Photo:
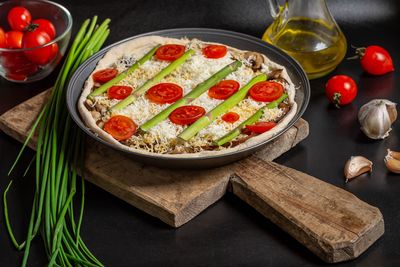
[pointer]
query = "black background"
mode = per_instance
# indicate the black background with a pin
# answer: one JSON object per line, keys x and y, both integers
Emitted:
{"x": 230, "y": 233}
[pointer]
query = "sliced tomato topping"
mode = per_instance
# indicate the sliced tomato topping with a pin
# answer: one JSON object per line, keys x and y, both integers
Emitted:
{"x": 103, "y": 76}
{"x": 186, "y": 114}
{"x": 230, "y": 117}
{"x": 223, "y": 89}
{"x": 119, "y": 92}
{"x": 170, "y": 52}
{"x": 261, "y": 127}
{"x": 215, "y": 51}
{"x": 266, "y": 91}
{"x": 120, "y": 127}
{"x": 163, "y": 93}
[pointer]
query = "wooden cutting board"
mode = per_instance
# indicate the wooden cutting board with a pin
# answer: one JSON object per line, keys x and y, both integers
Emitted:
{"x": 331, "y": 222}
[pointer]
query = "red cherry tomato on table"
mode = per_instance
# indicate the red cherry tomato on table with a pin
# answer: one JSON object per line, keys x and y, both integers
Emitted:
{"x": 341, "y": 90}
{"x": 261, "y": 127}
{"x": 14, "y": 39}
{"x": 120, "y": 127}
{"x": 266, "y": 91}
{"x": 119, "y": 92}
{"x": 230, "y": 117}
{"x": 186, "y": 114}
{"x": 3, "y": 42}
{"x": 224, "y": 89}
{"x": 215, "y": 51}
{"x": 105, "y": 75}
{"x": 19, "y": 17}
{"x": 163, "y": 93}
{"x": 170, "y": 52}
{"x": 36, "y": 38}
{"x": 375, "y": 60}
{"x": 44, "y": 25}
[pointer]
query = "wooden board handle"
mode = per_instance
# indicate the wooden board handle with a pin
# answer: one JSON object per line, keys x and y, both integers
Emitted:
{"x": 331, "y": 222}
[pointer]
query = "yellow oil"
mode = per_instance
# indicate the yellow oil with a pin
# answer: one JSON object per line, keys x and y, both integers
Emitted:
{"x": 317, "y": 46}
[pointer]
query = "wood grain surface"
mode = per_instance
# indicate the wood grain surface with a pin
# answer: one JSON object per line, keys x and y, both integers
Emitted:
{"x": 331, "y": 222}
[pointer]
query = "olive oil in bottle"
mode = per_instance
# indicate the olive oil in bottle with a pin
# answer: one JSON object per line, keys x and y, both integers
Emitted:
{"x": 317, "y": 46}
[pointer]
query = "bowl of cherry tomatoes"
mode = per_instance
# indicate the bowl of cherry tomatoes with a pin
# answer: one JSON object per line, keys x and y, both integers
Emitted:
{"x": 34, "y": 36}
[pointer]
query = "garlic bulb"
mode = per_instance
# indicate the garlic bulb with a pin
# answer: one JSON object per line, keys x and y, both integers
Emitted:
{"x": 376, "y": 118}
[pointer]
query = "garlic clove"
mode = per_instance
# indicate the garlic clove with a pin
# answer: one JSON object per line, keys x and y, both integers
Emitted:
{"x": 392, "y": 161}
{"x": 376, "y": 118}
{"x": 356, "y": 166}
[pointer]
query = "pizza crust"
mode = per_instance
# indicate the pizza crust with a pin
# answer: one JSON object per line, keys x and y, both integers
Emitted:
{"x": 142, "y": 45}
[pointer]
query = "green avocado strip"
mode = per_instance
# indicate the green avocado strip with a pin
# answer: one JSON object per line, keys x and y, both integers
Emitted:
{"x": 124, "y": 74}
{"x": 222, "y": 108}
{"x": 252, "y": 119}
{"x": 159, "y": 76}
{"x": 195, "y": 93}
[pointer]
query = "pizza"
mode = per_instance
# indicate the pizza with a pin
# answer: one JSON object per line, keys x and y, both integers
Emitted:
{"x": 185, "y": 97}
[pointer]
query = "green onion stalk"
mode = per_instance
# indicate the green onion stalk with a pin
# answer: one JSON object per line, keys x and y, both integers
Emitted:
{"x": 195, "y": 93}
{"x": 252, "y": 119}
{"x": 59, "y": 156}
{"x": 222, "y": 108}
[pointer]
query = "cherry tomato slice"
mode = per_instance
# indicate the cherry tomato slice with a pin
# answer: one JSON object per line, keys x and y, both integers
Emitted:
{"x": 261, "y": 127}
{"x": 19, "y": 17}
{"x": 230, "y": 117}
{"x": 170, "y": 52}
{"x": 103, "y": 76}
{"x": 44, "y": 25}
{"x": 120, "y": 127}
{"x": 266, "y": 91}
{"x": 186, "y": 114}
{"x": 119, "y": 92}
{"x": 3, "y": 43}
{"x": 215, "y": 51}
{"x": 163, "y": 93}
{"x": 224, "y": 89}
{"x": 14, "y": 39}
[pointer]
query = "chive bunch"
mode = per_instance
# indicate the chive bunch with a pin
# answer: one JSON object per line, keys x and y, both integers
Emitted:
{"x": 59, "y": 154}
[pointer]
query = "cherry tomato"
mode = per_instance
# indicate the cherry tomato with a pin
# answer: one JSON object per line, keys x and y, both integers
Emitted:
{"x": 375, "y": 60}
{"x": 341, "y": 90}
{"x": 186, "y": 114}
{"x": 19, "y": 17}
{"x": 119, "y": 92}
{"x": 215, "y": 51}
{"x": 163, "y": 93}
{"x": 266, "y": 91}
{"x": 224, "y": 89}
{"x": 36, "y": 38}
{"x": 44, "y": 25}
{"x": 120, "y": 127}
{"x": 103, "y": 76}
{"x": 170, "y": 52}
{"x": 230, "y": 117}
{"x": 17, "y": 66}
{"x": 3, "y": 43}
{"x": 261, "y": 127}
{"x": 14, "y": 39}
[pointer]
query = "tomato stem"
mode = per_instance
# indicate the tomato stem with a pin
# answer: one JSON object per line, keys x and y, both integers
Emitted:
{"x": 336, "y": 99}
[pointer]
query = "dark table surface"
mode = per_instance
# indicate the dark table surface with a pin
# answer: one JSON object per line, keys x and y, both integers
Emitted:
{"x": 230, "y": 233}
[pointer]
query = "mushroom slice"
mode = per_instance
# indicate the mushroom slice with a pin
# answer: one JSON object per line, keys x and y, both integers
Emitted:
{"x": 255, "y": 59}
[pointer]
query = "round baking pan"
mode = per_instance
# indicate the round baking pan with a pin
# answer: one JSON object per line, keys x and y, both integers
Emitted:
{"x": 238, "y": 40}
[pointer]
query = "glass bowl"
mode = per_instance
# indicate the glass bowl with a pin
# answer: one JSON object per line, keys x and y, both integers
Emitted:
{"x": 15, "y": 65}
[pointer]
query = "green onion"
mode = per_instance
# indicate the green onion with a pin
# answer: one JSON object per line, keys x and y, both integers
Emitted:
{"x": 58, "y": 156}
